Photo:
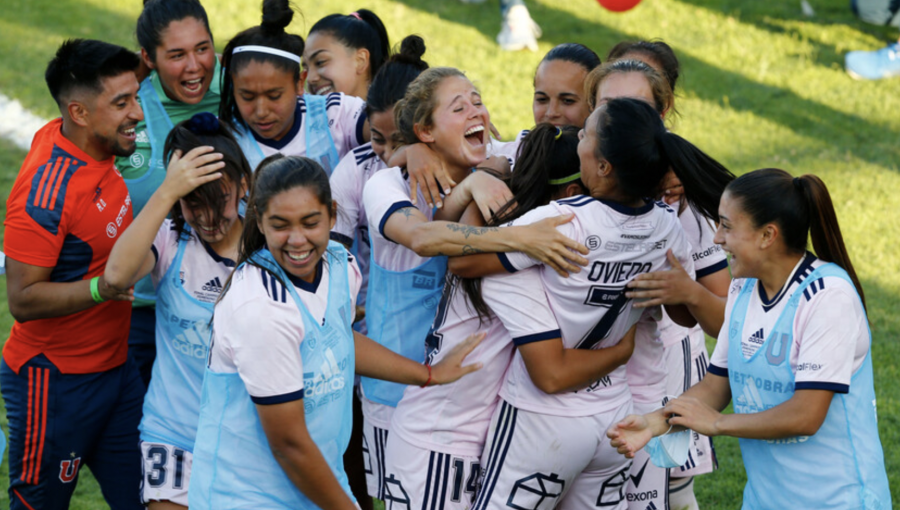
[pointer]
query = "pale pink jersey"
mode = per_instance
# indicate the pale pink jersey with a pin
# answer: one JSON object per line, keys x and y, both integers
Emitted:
{"x": 346, "y": 120}
{"x": 509, "y": 150}
{"x": 454, "y": 418}
{"x": 647, "y": 368}
{"x": 386, "y": 193}
{"x": 623, "y": 243}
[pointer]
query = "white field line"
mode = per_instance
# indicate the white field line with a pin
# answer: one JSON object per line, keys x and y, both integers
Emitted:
{"x": 17, "y": 124}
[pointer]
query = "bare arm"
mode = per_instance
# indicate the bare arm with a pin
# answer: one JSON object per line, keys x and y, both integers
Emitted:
{"x": 483, "y": 187}
{"x": 479, "y": 264}
{"x": 555, "y": 369}
{"x": 298, "y": 455}
{"x": 378, "y": 362}
{"x": 31, "y": 294}
{"x": 409, "y": 227}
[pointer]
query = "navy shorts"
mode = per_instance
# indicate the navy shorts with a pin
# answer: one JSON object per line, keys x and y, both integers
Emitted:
{"x": 61, "y": 422}
{"x": 142, "y": 340}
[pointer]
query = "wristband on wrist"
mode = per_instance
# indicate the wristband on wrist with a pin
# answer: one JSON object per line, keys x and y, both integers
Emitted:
{"x": 95, "y": 290}
{"x": 429, "y": 376}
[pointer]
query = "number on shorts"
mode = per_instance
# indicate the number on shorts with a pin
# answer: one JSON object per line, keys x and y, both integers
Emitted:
{"x": 471, "y": 483}
{"x": 159, "y": 455}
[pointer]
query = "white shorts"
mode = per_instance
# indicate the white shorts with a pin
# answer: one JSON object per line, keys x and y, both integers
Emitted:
{"x": 539, "y": 462}
{"x": 166, "y": 473}
{"x": 376, "y": 418}
{"x": 418, "y": 478}
{"x": 687, "y": 362}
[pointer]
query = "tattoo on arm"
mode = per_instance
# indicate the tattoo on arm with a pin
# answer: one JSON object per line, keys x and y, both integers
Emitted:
{"x": 470, "y": 250}
{"x": 406, "y": 211}
{"x": 468, "y": 230}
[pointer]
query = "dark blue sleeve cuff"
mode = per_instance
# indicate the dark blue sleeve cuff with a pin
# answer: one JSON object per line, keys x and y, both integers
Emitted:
{"x": 277, "y": 399}
{"x": 155, "y": 254}
{"x": 391, "y": 210}
{"x": 360, "y": 122}
{"x": 719, "y": 371}
{"x": 815, "y": 385}
{"x": 538, "y": 337}
{"x": 341, "y": 238}
{"x": 506, "y": 264}
{"x": 715, "y": 268}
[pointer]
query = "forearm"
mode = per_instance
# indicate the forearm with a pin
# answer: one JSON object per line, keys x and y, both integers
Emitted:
{"x": 795, "y": 417}
{"x": 128, "y": 256}
{"x": 454, "y": 239}
{"x": 378, "y": 362}
{"x": 708, "y": 309}
{"x": 564, "y": 370}
{"x": 713, "y": 390}
{"x": 45, "y": 300}
{"x": 304, "y": 464}
{"x": 456, "y": 203}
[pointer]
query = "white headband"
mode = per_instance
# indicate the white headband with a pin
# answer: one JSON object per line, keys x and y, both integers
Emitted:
{"x": 266, "y": 49}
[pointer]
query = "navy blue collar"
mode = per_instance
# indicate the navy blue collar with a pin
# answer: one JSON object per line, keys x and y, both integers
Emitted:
{"x": 286, "y": 139}
{"x": 804, "y": 268}
{"x": 630, "y": 211}
{"x": 303, "y": 284}
{"x": 215, "y": 256}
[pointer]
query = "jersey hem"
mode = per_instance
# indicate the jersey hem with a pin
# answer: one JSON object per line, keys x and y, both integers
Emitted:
{"x": 278, "y": 399}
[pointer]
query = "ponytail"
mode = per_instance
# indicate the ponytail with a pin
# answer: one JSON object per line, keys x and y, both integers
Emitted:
{"x": 392, "y": 80}
{"x": 802, "y": 209}
{"x": 704, "y": 179}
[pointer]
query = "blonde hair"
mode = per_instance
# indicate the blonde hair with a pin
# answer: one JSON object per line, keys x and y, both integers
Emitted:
{"x": 420, "y": 101}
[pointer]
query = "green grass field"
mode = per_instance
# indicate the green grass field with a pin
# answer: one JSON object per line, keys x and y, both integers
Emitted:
{"x": 762, "y": 86}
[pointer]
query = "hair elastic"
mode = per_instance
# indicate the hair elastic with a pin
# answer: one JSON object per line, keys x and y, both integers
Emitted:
{"x": 565, "y": 180}
{"x": 355, "y": 15}
{"x": 558, "y": 133}
{"x": 266, "y": 49}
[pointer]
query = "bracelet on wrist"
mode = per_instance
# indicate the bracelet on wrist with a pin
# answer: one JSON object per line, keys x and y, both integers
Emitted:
{"x": 95, "y": 290}
{"x": 427, "y": 382}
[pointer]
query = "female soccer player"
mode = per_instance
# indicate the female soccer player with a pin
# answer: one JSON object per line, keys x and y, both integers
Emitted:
{"x": 177, "y": 46}
{"x": 437, "y": 437}
{"x": 624, "y": 153}
{"x": 344, "y": 53}
{"x": 276, "y": 418}
{"x": 667, "y": 357}
{"x": 262, "y": 96}
{"x": 794, "y": 356}
{"x": 189, "y": 257}
{"x": 442, "y": 109}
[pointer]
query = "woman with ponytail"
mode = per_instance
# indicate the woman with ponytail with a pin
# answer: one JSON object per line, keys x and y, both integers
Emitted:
{"x": 275, "y": 416}
{"x": 344, "y": 53}
{"x": 188, "y": 258}
{"x": 262, "y": 97}
{"x": 795, "y": 356}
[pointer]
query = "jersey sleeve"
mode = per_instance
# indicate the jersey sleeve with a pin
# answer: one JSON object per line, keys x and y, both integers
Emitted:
{"x": 265, "y": 349}
{"x": 345, "y": 190}
{"x": 516, "y": 261}
{"x": 32, "y": 239}
{"x": 718, "y": 362}
{"x": 828, "y": 339}
{"x": 349, "y": 116}
{"x": 165, "y": 246}
{"x": 383, "y": 196}
{"x": 355, "y": 277}
{"x": 520, "y": 303}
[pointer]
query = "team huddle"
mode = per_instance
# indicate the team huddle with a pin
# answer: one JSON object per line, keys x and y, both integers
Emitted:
{"x": 306, "y": 273}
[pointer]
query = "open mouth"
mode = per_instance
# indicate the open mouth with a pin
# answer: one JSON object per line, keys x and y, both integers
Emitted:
{"x": 323, "y": 90}
{"x": 193, "y": 87}
{"x": 207, "y": 231}
{"x": 298, "y": 258}
{"x": 475, "y": 135}
{"x": 128, "y": 133}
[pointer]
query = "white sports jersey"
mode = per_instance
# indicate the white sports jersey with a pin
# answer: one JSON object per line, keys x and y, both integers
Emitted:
{"x": 257, "y": 330}
{"x": 454, "y": 418}
{"x": 509, "y": 149}
{"x": 831, "y": 336}
{"x": 346, "y": 118}
{"x": 590, "y": 305}
{"x": 385, "y": 193}
{"x": 352, "y": 227}
{"x": 647, "y": 368}
{"x": 203, "y": 271}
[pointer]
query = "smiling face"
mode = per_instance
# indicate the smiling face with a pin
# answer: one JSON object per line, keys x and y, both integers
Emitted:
{"x": 460, "y": 123}
{"x": 203, "y": 221}
{"x": 185, "y": 60}
{"x": 739, "y": 237}
{"x": 111, "y": 117}
{"x": 266, "y": 97}
{"x": 333, "y": 67}
{"x": 297, "y": 227}
{"x": 559, "y": 94}
{"x": 384, "y": 131}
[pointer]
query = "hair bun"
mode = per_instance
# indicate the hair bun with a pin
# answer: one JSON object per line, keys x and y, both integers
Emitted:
{"x": 411, "y": 50}
{"x": 276, "y": 16}
{"x": 203, "y": 123}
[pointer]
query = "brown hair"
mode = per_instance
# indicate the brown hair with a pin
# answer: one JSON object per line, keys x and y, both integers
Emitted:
{"x": 802, "y": 209}
{"x": 418, "y": 105}
{"x": 663, "y": 98}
